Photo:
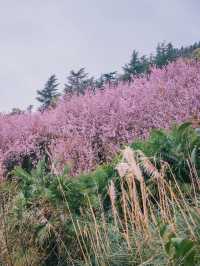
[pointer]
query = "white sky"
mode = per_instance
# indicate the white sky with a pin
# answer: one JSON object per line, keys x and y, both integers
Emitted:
{"x": 42, "y": 37}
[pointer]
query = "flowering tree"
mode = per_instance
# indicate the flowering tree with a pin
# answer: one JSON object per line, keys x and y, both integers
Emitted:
{"x": 83, "y": 131}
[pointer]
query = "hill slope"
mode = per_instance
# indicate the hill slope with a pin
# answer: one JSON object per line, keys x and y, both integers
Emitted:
{"x": 87, "y": 130}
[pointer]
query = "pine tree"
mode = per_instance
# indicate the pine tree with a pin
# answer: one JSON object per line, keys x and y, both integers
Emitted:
{"x": 77, "y": 82}
{"x": 48, "y": 95}
{"x": 16, "y": 111}
{"x": 109, "y": 78}
{"x": 160, "y": 58}
{"x": 99, "y": 83}
{"x": 136, "y": 66}
{"x": 171, "y": 52}
{"x": 165, "y": 53}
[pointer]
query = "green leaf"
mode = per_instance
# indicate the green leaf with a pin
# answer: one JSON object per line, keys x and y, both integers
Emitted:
{"x": 184, "y": 250}
{"x": 163, "y": 229}
{"x": 19, "y": 172}
{"x": 184, "y": 126}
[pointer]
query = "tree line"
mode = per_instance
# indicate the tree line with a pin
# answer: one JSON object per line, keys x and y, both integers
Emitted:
{"x": 78, "y": 81}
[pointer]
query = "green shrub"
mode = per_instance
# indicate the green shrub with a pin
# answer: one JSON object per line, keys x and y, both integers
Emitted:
{"x": 179, "y": 147}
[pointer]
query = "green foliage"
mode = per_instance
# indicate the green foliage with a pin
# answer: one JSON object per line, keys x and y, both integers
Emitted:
{"x": 165, "y": 53}
{"x": 137, "y": 65}
{"x": 178, "y": 147}
{"x": 109, "y": 78}
{"x": 16, "y": 111}
{"x": 78, "y": 82}
{"x": 59, "y": 220}
{"x": 181, "y": 251}
{"x": 48, "y": 95}
{"x": 42, "y": 210}
{"x": 77, "y": 191}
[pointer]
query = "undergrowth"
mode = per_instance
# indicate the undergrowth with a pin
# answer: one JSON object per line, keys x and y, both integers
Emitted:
{"x": 142, "y": 209}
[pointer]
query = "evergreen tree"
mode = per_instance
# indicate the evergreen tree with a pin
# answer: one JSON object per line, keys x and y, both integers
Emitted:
{"x": 188, "y": 50}
{"x": 136, "y": 66}
{"x": 89, "y": 84}
{"x": 77, "y": 82}
{"x": 165, "y": 53}
{"x": 144, "y": 64}
{"x": 99, "y": 83}
{"x": 171, "y": 53}
{"x": 48, "y": 95}
{"x": 109, "y": 78}
{"x": 160, "y": 58}
{"x": 16, "y": 111}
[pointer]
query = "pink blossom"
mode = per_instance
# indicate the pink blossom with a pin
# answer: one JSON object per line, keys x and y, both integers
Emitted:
{"x": 87, "y": 130}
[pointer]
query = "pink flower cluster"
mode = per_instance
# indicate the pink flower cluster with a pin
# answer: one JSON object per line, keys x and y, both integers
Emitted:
{"x": 87, "y": 130}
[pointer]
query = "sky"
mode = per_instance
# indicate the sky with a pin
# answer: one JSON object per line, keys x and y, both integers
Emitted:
{"x": 41, "y": 37}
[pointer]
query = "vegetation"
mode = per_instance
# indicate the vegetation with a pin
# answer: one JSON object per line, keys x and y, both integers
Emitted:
{"x": 87, "y": 130}
{"x": 78, "y": 81}
{"x": 128, "y": 212}
{"x": 176, "y": 148}
{"x": 196, "y": 54}
{"x": 136, "y": 66}
{"x": 106, "y": 174}
{"x": 48, "y": 95}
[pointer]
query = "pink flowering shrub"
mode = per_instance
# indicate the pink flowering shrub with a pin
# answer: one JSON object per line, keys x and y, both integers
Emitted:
{"x": 87, "y": 130}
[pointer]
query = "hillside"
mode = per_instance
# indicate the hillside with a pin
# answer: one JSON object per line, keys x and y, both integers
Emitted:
{"x": 84, "y": 131}
{"x": 110, "y": 177}
{"x": 100, "y": 133}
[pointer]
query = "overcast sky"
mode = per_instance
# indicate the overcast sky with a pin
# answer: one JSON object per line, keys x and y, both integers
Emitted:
{"x": 42, "y": 37}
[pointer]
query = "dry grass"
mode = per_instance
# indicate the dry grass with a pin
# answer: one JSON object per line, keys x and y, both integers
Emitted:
{"x": 127, "y": 234}
{"x": 137, "y": 216}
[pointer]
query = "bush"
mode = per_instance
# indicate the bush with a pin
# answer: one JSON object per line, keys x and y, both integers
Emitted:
{"x": 179, "y": 147}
